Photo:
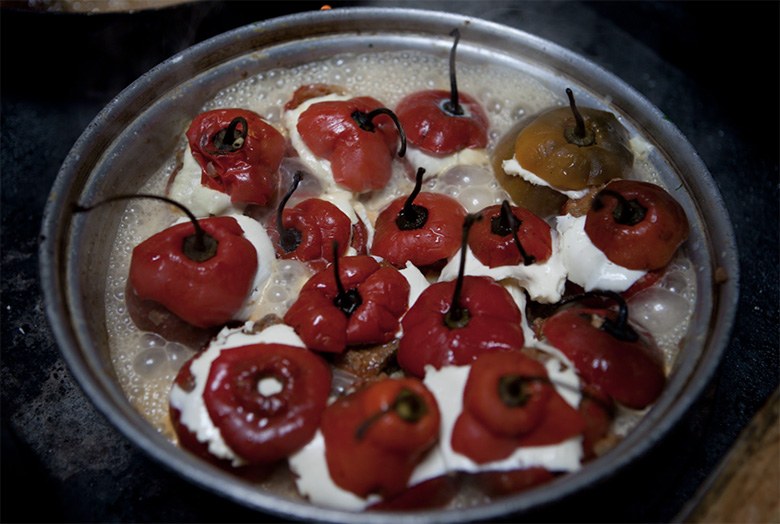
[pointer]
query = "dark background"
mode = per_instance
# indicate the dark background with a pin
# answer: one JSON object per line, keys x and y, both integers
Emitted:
{"x": 712, "y": 67}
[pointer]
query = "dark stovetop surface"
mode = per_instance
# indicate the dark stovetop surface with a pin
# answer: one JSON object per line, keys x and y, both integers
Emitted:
{"x": 712, "y": 67}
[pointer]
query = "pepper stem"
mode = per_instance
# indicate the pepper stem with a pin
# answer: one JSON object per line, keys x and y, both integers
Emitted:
{"x": 289, "y": 238}
{"x": 453, "y": 106}
{"x": 508, "y": 224}
{"x": 408, "y": 405}
{"x": 618, "y": 328}
{"x": 347, "y": 300}
{"x": 227, "y": 140}
{"x": 579, "y": 134}
{"x": 458, "y": 316}
{"x": 626, "y": 212}
{"x": 365, "y": 122}
{"x": 411, "y": 215}
{"x": 199, "y": 247}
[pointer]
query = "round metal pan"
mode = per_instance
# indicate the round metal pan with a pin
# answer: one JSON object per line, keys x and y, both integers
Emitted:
{"x": 139, "y": 130}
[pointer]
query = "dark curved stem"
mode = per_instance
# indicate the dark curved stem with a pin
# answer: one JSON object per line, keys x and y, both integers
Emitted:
{"x": 289, "y": 239}
{"x": 347, "y": 300}
{"x": 411, "y": 215}
{"x": 453, "y": 107}
{"x": 198, "y": 247}
{"x": 626, "y": 212}
{"x": 227, "y": 140}
{"x": 618, "y": 328}
{"x": 458, "y": 316}
{"x": 508, "y": 224}
{"x": 365, "y": 122}
{"x": 408, "y": 405}
{"x": 579, "y": 135}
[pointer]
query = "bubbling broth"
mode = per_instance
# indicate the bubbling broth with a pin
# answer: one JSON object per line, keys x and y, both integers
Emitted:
{"x": 146, "y": 364}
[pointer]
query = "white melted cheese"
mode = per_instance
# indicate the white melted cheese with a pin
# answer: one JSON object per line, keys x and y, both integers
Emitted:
{"x": 434, "y": 164}
{"x": 313, "y": 479}
{"x": 447, "y": 385}
{"x": 266, "y": 261}
{"x": 545, "y": 281}
{"x": 586, "y": 264}
{"x": 194, "y": 415}
{"x": 319, "y": 167}
{"x": 201, "y": 200}
{"x": 513, "y": 167}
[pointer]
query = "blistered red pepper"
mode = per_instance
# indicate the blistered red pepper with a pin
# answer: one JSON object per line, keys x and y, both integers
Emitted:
{"x": 430, "y": 126}
{"x": 636, "y": 224}
{"x": 444, "y": 122}
{"x": 203, "y": 293}
{"x": 239, "y": 154}
{"x": 490, "y": 322}
{"x": 374, "y": 438}
{"x": 608, "y": 353}
{"x": 362, "y": 306}
{"x": 357, "y": 136}
{"x": 423, "y": 228}
{"x": 509, "y": 402}
{"x": 262, "y": 428}
{"x": 493, "y": 238}
{"x": 454, "y": 322}
{"x": 310, "y": 228}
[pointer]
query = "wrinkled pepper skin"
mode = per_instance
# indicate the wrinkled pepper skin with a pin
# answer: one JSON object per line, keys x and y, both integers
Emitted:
{"x": 630, "y": 372}
{"x": 647, "y": 245}
{"x": 204, "y": 294}
{"x": 369, "y": 446}
{"x": 360, "y": 160}
{"x": 543, "y": 149}
{"x": 438, "y": 239}
{"x": 429, "y": 127}
{"x": 324, "y": 327}
{"x": 320, "y": 223}
{"x": 495, "y": 250}
{"x": 247, "y": 175}
{"x": 490, "y": 427}
{"x": 494, "y": 325}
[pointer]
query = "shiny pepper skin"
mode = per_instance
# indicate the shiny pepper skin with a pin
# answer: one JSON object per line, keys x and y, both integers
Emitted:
{"x": 509, "y": 402}
{"x": 630, "y": 372}
{"x": 431, "y": 128}
{"x": 495, "y": 250}
{"x": 493, "y": 325}
{"x": 248, "y": 174}
{"x": 319, "y": 223}
{"x": 204, "y": 294}
{"x": 324, "y": 327}
{"x": 371, "y": 444}
{"x": 437, "y": 239}
{"x": 543, "y": 149}
{"x": 648, "y": 244}
{"x": 261, "y": 428}
{"x": 360, "y": 160}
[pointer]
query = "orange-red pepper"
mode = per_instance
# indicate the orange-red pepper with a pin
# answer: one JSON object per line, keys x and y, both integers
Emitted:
{"x": 203, "y": 293}
{"x": 374, "y": 438}
{"x": 359, "y": 142}
{"x": 509, "y": 402}
{"x": 493, "y": 239}
{"x": 239, "y": 154}
{"x": 362, "y": 306}
{"x": 261, "y": 428}
{"x": 422, "y": 228}
{"x": 636, "y": 224}
{"x": 628, "y": 368}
